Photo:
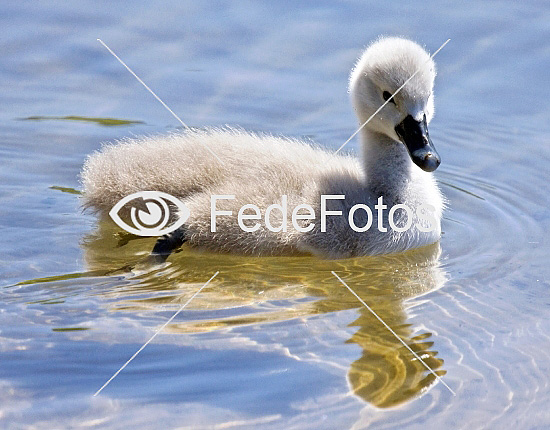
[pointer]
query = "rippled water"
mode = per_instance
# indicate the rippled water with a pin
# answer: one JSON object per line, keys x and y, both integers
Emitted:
{"x": 273, "y": 342}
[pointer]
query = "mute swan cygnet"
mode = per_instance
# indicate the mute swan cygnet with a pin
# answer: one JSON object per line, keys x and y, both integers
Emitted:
{"x": 396, "y": 164}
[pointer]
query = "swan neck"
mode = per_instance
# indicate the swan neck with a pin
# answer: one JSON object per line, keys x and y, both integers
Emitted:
{"x": 387, "y": 163}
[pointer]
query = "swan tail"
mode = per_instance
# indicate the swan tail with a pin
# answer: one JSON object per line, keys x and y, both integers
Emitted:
{"x": 132, "y": 165}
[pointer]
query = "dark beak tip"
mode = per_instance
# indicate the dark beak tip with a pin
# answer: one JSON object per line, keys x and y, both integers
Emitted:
{"x": 428, "y": 162}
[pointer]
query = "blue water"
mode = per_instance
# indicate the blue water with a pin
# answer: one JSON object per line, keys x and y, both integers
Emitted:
{"x": 273, "y": 343}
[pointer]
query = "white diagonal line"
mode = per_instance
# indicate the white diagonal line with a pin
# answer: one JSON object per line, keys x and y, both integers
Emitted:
{"x": 157, "y": 332}
{"x": 389, "y": 99}
{"x": 154, "y": 95}
{"x": 394, "y": 333}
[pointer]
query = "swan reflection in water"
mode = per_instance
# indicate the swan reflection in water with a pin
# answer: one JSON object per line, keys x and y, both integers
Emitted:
{"x": 385, "y": 375}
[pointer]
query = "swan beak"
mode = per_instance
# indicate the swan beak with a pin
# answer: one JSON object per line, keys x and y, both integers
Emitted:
{"x": 414, "y": 134}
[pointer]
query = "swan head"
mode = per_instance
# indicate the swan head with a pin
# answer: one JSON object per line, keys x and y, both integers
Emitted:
{"x": 382, "y": 69}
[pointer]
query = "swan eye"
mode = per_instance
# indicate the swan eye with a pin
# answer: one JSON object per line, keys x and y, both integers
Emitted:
{"x": 386, "y": 95}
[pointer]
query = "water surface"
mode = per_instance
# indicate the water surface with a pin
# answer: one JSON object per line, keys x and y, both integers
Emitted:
{"x": 273, "y": 342}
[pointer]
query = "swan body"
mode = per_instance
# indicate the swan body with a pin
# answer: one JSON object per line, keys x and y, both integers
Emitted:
{"x": 396, "y": 163}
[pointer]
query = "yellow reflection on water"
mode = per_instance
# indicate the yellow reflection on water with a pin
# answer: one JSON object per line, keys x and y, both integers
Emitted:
{"x": 280, "y": 288}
